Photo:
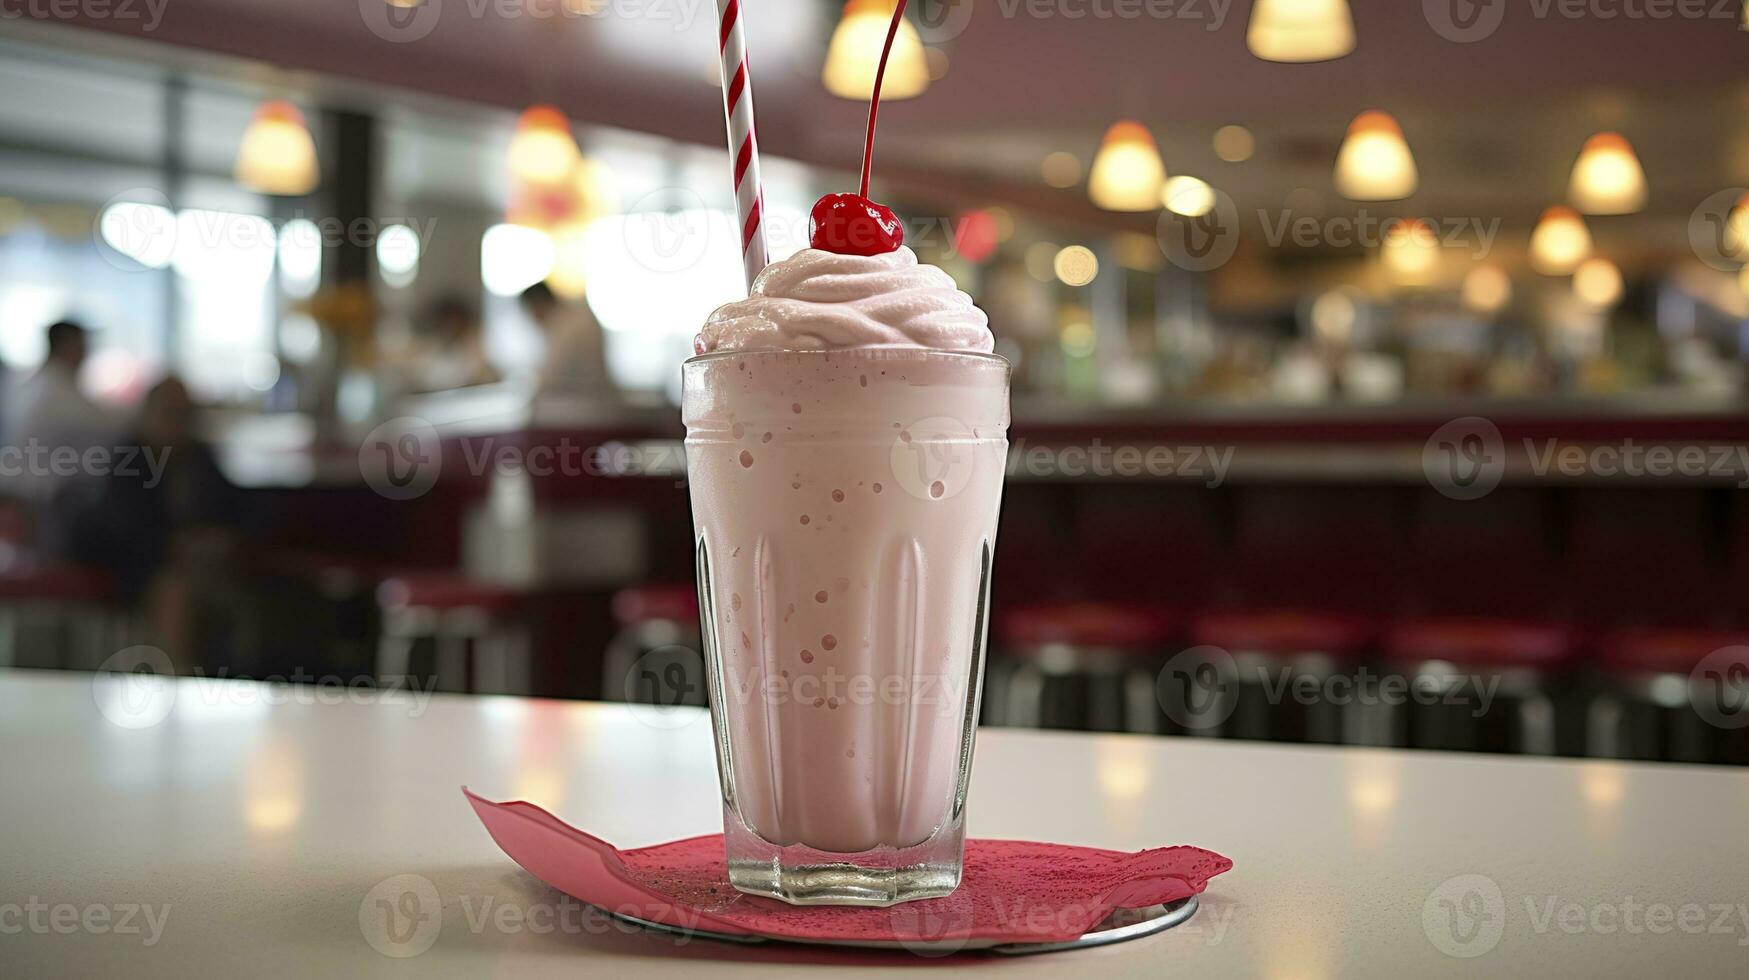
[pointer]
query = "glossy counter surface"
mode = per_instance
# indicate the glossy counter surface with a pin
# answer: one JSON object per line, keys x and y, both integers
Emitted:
{"x": 244, "y": 826}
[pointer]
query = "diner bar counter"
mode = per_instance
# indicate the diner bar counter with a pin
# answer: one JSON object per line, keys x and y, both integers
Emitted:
{"x": 274, "y": 819}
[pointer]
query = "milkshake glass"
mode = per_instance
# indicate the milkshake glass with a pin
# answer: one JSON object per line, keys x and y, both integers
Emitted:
{"x": 845, "y": 502}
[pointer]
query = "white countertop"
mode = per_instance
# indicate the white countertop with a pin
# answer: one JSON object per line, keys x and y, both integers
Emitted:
{"x": 245, "y": 828}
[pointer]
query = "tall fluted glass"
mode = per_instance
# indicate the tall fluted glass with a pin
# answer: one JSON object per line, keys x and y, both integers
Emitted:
{"x": 845, "y": 506}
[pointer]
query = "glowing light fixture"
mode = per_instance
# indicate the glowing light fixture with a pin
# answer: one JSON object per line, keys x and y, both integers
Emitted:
{"x": 542, "y": 151}
{"x": 277, "y": 155}
{"x": 1076, "y": 265}
{"x": 1188, "y": 196}
{"x": 145, "y": 233}
{"x": 1061, "y": 169}
{"x": 1608, "y": 179}
{"x": 1234, "y": 144}
{"x": 398, "y": 255}
{"x": 1487, "y": 289}
{"x": 1737, "y": 229}
{"x": 595, "y": 190}
{"x": 1375, "y": 163}
{"x": 513, "y": 258}
{"x": 1298, "y": 31}
{"x": 1334, "y": 315}
{"x": 1597, "y": 283}
{"x": 566, "y": 277}
{"x": 1560, "y": 242}
{"x": 855, "y": 51}
{"x": 1411, "y": 253}
{"x": 1128, "y": 172}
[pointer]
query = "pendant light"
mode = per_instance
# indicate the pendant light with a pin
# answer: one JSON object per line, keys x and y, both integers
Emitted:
{"x": 542, "y": 151}
{"x": 1597, "y": 282}
{"x": 1127, "y": 173}
{"x": 1411, "y": 253}
{"x": 1374, "y": 163}
{"x": 855, "y": 51}
{"x": 1560, "y": 242}
{"x": 1608, "y": 178}
{"x": 277, "y": 155}
{"x": 1487, "y": 289}
{"x": 1298, "y": 31}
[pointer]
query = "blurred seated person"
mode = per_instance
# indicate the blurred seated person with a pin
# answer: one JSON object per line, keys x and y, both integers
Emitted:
{"x": 165, "y": 523}
{"x": 452, "y": 354}
{"x": 575, "y": 362}
{"x": 47, "y": 414}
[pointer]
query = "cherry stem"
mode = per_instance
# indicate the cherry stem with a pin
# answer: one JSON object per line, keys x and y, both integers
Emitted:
{"x": 874, "y": 97}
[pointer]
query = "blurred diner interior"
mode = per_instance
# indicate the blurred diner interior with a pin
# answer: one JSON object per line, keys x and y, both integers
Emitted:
{"x": 358, "y": 334}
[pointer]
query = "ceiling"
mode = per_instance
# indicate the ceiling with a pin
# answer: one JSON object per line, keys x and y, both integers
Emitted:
{"x": 1495, "y": 124}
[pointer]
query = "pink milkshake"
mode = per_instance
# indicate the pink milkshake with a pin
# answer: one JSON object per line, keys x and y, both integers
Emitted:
{"x": 846, "y": 440}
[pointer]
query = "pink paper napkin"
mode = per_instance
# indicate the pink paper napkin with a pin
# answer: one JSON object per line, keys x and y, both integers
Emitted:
{"x": 1012, "y": 891}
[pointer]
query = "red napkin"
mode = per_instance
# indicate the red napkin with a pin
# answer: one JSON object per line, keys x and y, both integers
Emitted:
{"x": 1012, "y": 891}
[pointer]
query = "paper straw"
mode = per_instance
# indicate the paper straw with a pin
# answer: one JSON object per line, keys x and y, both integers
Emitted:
{"x": 743, "y": 148}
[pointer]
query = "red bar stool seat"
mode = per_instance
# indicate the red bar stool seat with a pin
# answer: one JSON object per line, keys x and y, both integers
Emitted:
{"x": 655, "y": 656}
{"x": 1674, "y": 694}
{"x": 460, "y": 616}
{"x": 1475, "y": 684}
{"x": 1115, "y": 648}
{"x": 1278, "y": 654}
{"x": 74, "y": 604}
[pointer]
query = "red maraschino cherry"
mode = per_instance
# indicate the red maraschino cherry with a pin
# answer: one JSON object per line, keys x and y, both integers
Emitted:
{"x": 851, "y": 224}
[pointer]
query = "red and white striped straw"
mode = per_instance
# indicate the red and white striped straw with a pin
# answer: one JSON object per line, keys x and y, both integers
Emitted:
{"x": 743, "y": 147}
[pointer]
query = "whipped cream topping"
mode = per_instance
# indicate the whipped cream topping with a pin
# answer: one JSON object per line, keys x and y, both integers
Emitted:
{"x": 816, "y": 300}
